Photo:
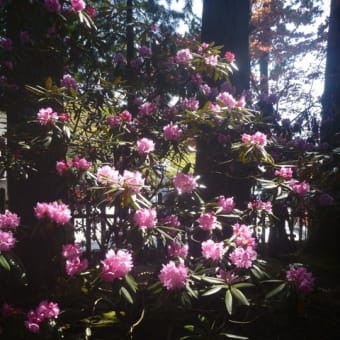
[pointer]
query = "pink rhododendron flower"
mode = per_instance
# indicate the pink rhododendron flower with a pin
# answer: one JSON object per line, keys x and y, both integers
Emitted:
{"x": 45, "y": 311}
{"x": 176, "y": 249}
{"x": 91, "y": 11}
{"x": 8, "y": 310}
{"x": 183, "y": 56}
{"x": 6, "y": 44}
{"x": 114, "y": 121}
{"x": 145, "y": 218}
{"x": 172, "y": 132}
{"x": 203, "y": 47}
{"x": 184, "y": 183}
{"x": 147, "y": 109}
{"x": 75, "y": 266}
{"x": 301, "y": 278}
{"x": 243, "y": 257}
{"x": 55, "y": 211}
{"x": 212, "y": 250}
{"x": 171, "y": 220}
{"x": 81, "y": 164}
{"x": 47, "y": 116}
{"x": 116, "y": 264}
{"x": 64, "y": 117}
{"x": 9, "y": 220}
{"x": 190, "y": 104}
{"x": 241, "y": 102}
{"x": 214, "y": 107}
{"x": 174, "y": 276}
{"x": 78, "y": 5}
{"x": 211, "y": 60}
{"x": 145, "y": 146}
{"x": 243, "y": 235}
{"x": 7, "y": 240}
{"x": 69, "y": 82}
{"x": 229, "y": 56}
{"x": 125, "y": 116}
{"x": 62, "y": 167}
{"x": 52, "y": 5}
{"x": 71, "y": 250}
{"x": 260, "y": 205}
{"x": 205, "y": 88}
{"x": 145, "y": 51}
{"x": 285, "y": 173}
{"x": 258, "y": 138}
{"x": 133, "y": 181}
{"x": 226, "y": 99}
{"x": 226, "y": 203}
{"x": 207, "y": 221}
{"x": 301, "y": 188}
{"x": 108, "y": 175}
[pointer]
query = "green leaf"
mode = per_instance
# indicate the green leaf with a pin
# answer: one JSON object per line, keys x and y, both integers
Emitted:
{"x": 239, "y": 296}
{"x": 124, "y": 292}
{"x": 228, "y": 300}
{"x": 276, "y": 290}
{"x": 213, "y": 290}
{"x": 212, "y": 280}
{"x": 234, "y": 336}
{"x": 131, "y": 282}
{"x": 4, "y": 263}
{"x": 243, "y": 285}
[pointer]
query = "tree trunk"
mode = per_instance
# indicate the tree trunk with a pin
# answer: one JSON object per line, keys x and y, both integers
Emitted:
{"x": 330, "y": 126}
{"x": 324, "y": 232}
{"x": 225, "y": 22}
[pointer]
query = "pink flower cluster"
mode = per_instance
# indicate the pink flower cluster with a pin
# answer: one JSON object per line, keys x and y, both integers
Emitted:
{"x": 285, "y": 173}
{"x": 78, "y": 5}
{"x": 172, "y": 132}
{"x": 190, "y": 104}
{"x": 46, "y": 116}
{"x": 145, "y": 218}
{"x": 184, "y": 56}
{"x": 228, "y": 99}
{"x": 184, "y": 183}
{"x": 244, "y": 254}
{"x": 80, "y": 164}
{"x": 123, "y": 117}
{"x": 74, "y": 265}
{"x": 301, "y": 278}
{"x": 229, "y": 56}
{"x": 9, "y": 220}
{"x": 52, "y": 5}
{"x": 69, "y": 82}
{"x": 243, "y": 235}
{"x": 147, "y": 109}
{"x": 300, "y": 188}
{"x": 45, "y": 311}
{"x": 174, "y": 276}
{"x": 258, "y": 138}
{"x": 132, "y": 181}
{"x": 212, "y": 250}
{"x": 145, "y": 146}
{"x": 207, "y": 221}
{"x": 57, "y": 212}
{"x": 176, "y": 249}
{"x": 226, "y": 203}
{"x": 116, "y": 265}
{"x": 260, "y": 205}
{"x": 211, "y": 60}
{"x": 8, "y": 223}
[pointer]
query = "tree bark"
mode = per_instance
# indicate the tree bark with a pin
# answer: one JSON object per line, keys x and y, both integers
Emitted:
{"x": 225, "y": 22}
